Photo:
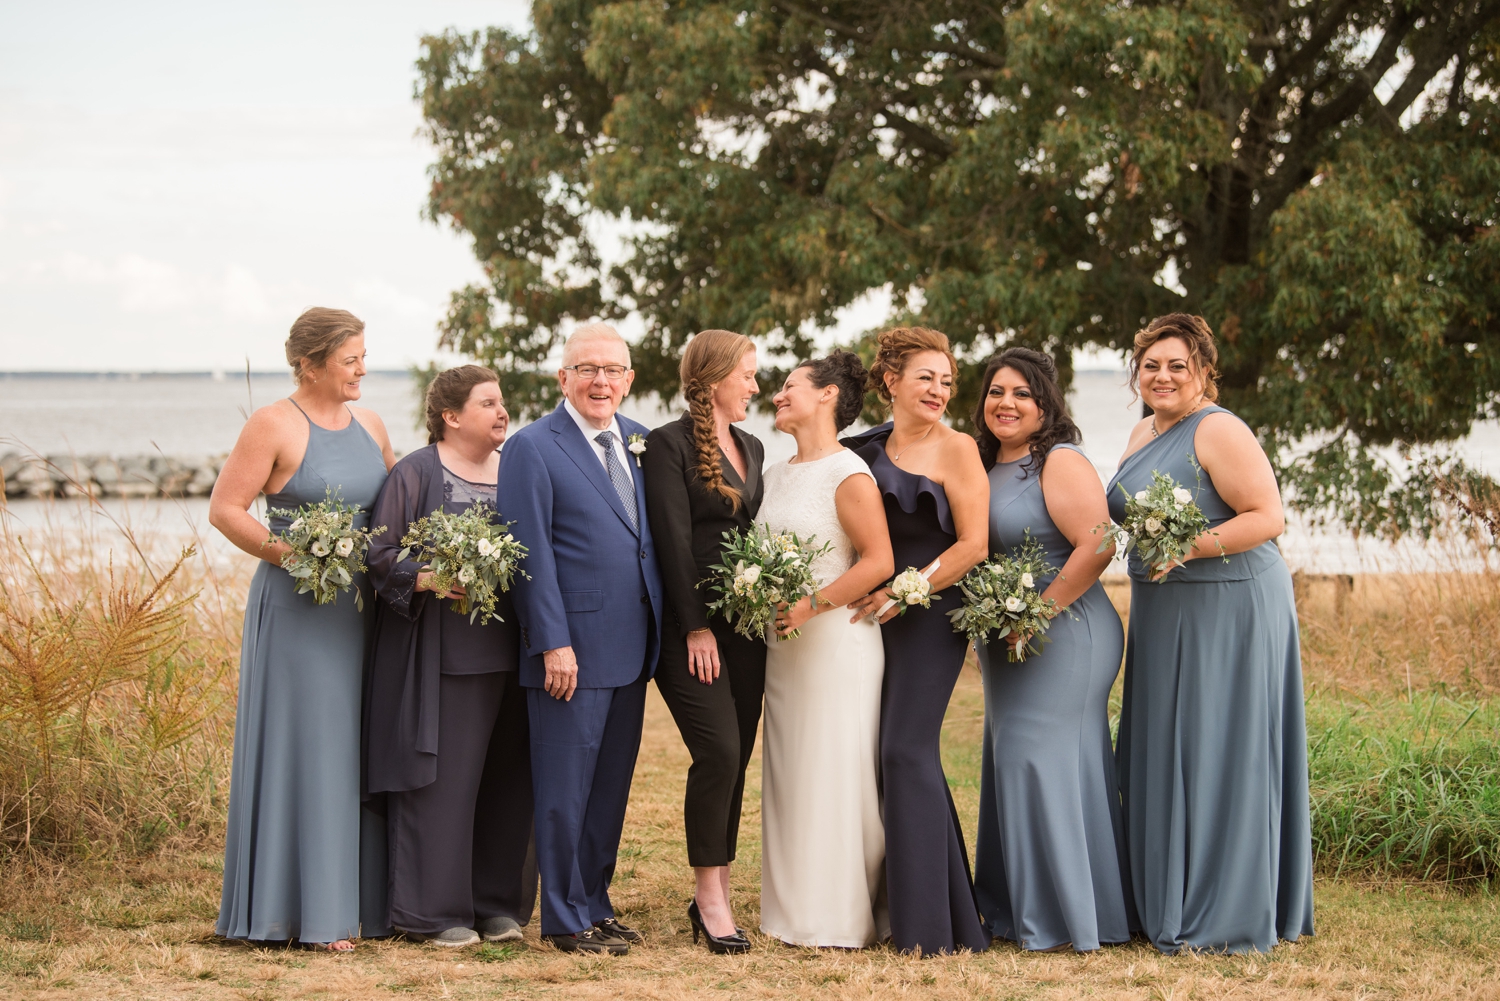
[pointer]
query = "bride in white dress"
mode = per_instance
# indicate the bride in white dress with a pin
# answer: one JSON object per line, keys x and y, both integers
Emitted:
{"x": 823, "y": 844}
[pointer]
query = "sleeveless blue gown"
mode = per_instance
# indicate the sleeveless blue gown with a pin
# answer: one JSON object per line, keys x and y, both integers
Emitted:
{"x": 302, "y": 859}
{"x": 1212, "y": 752}
{"x": 1050, "y": 865}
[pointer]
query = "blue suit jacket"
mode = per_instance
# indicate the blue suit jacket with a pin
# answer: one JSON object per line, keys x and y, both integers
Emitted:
{"x": 595, "y": 584}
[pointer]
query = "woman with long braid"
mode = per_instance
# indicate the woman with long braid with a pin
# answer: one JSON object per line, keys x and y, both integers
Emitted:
{"x": 703, "y": 478}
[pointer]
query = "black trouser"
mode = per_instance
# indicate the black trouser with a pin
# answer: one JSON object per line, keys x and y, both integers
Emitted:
{"x": 718, "y": 724}
{"x": 461, "y": 848}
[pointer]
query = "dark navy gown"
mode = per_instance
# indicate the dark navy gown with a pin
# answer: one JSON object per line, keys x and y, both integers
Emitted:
{"x": 929, "y": 890}
{"x": 1212, "y": 752}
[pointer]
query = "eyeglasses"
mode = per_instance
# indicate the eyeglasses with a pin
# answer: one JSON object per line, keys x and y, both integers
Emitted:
{"x": 614, "y": 373}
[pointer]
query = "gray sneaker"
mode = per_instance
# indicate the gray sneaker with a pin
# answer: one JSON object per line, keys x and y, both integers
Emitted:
{"x": 452, "y": 938}
{"x": 500, "y": 929}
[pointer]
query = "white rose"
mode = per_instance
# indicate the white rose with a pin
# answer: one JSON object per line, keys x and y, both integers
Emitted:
{"x": 749, "y": 575}
{"x": 485, "y": 547}
{"x": 296, "y": 525}
{"x": 320, "y": 547}
{"x": 914, "y": 598}
{"x": 1027, "y": 581}
{"x": 345, "y": 546}
{"x": 1182, "y": 496}
{"x": 1154, "y": 526}
{"x": 1014, "y": 604}
{"x": 465, "y": 575}
{"x": 637, "y": 447}
{"x": 1140, "y": 495}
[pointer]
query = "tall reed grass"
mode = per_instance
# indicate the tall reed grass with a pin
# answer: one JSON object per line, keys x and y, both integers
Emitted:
{"x": 116, "y": 698}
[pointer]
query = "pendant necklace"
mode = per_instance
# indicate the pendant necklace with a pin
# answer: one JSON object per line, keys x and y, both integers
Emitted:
{"x": 908, "y": 448}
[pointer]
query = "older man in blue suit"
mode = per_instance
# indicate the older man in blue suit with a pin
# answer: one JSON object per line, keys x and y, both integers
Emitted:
{"x": 590, "y": 618}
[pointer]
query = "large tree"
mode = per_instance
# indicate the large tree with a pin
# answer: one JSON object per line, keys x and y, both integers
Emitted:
{"x": 1321, "y": 179}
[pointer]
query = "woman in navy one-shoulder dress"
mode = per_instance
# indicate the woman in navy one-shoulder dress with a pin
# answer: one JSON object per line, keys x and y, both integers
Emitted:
{"x": 302, "y": 860}
{"x": 937, "y": 506}
{"x": 1049, "y": 868}
{"x": 1212, "y": 751}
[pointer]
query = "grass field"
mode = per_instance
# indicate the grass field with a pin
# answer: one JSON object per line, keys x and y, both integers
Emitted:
{"x": 1403, "y": 725}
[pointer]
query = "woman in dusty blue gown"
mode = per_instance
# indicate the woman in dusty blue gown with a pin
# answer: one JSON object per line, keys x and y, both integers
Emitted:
{"x": 1212, "y": 752}
{"x": 302, "y": 860}
{"x": 1049, "y": 868}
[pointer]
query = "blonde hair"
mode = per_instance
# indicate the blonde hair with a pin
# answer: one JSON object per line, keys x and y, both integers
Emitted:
{"x": 710, "y": 357}
{"x": 316, "y": 334}
{"x": 1194, "y": 332}
{"x": 895, "y": 347}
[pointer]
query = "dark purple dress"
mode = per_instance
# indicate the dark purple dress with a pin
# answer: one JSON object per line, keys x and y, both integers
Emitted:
{"x": 931, "y": 893}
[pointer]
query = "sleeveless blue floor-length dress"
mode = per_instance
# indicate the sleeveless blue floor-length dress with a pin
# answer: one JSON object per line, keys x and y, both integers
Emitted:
{"x": 302, "y": 859}
{"x": 1212, "y": 752}
{"x": 1050, "y": 866}
{"x": 929, "y": 889}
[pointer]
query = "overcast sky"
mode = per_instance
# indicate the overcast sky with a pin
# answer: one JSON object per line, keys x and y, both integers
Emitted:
{"x": 179, "y": 180}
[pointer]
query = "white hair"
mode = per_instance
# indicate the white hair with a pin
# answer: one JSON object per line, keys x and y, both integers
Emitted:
{"x": 593, "y": 332}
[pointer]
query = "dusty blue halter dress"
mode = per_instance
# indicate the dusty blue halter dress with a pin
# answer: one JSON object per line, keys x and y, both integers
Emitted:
{"x": 1212, "y": 752}
{"x": 1050, "y": 865}
{"x": 302, "y": 860}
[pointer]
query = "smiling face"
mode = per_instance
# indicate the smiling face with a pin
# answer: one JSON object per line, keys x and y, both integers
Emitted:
{"x": 1010, "y": 409}
{"x": 338, "y": 377}
{"x": 482, "y": 421}
{"x": 733, "y": 393}
{"x": 800, "y": 403}
{"x": 596, "y": 398}
{"x": 923, "y": 388}
{"x": 1170, "y": 383}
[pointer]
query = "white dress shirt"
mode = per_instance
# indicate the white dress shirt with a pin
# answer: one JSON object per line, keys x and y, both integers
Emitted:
{"x": 589, "y": 431}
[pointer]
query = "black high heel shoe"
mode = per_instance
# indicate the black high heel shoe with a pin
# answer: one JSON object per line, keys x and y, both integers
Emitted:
{"x": 729, "y": 945}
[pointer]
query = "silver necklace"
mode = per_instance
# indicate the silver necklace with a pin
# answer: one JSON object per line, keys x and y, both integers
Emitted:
{"x": 908, "y": 448}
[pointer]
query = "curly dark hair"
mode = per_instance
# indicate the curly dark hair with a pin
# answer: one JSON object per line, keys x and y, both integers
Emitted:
{"x": 1040, "y": 373}
{"x": 844, "y": 370}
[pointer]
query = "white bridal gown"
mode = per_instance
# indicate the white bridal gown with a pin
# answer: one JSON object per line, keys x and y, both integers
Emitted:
{"x": 823, "y": 844}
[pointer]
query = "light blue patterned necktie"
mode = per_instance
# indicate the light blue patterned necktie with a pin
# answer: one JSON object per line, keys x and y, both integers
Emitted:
{"x": 624, "y": 486}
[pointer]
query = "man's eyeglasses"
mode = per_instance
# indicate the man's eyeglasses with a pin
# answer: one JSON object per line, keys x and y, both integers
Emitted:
{"x": 614, "y": 373}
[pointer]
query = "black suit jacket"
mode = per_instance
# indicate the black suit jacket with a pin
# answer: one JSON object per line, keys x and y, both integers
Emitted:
{"x": 688, "y": 521}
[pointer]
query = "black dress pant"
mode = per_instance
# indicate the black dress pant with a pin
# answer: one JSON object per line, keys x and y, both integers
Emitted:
{"x": 718, "y": 724}
{"x": 461, "y": 848}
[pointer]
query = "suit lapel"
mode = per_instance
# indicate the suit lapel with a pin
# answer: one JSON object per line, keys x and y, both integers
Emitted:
{"x": 571, "y": 440}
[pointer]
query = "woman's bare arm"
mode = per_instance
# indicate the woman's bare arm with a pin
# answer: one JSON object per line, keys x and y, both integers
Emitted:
{"x": 862, "y": 514}
{"x": 268, "y": 450}
{"x": 1228, "y": 452}
{"x": 1076, "y": 504}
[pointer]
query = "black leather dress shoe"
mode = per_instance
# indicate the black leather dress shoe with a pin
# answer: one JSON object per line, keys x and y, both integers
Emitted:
{"x": 615, "y": 930}
{"x": 589, "y": 940}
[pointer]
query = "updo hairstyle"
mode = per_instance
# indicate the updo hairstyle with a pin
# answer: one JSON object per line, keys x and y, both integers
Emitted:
{"x": 894, "y": 349}
{"x": 1040, "y": 373}
{"x": 449, "y": 390}
{"x": 844, "y": 370}
{"x": 315, "y": 335}
{"x": 1193, "y": 331}
{"x": 710, "y": 357}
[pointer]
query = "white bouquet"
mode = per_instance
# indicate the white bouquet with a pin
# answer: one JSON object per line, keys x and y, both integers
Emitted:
{"x": 1160, "y": 525}
{"x": 470, "y": 550}
{"x": 1001, "y": 596}
{"x": 327, "y": 550}
{"x": 911, "y": 587}
{"x": 761, "y": 570}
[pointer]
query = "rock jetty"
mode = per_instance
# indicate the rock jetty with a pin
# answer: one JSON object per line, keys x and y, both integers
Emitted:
{"x": 108, "y": 476}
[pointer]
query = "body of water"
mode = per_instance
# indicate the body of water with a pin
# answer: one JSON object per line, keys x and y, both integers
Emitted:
{"x": 201, "y": 415}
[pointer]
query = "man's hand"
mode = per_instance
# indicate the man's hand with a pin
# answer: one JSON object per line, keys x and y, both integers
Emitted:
{"x": 562, "y": 673}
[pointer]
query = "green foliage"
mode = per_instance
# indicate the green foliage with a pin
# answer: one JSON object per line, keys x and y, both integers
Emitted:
{"x": 1406, "y": 788}
{"x": 1015, "y": 172}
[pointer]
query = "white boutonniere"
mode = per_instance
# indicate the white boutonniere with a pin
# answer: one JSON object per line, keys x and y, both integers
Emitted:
{"x": 637, "y": 446}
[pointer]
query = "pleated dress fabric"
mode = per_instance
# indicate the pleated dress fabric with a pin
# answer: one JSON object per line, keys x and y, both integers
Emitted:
{"x": 1050, "y": 866}
{"x": 822, "y": 844}
{"x": 932, "y": 903}
{"x": 302, "y": 860}
{"x": 1212, "y": 752}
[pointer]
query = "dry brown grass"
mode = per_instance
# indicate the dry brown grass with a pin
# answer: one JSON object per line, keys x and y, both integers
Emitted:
{"x": 144, "y": 930}
{"x": 104, "y": 927}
